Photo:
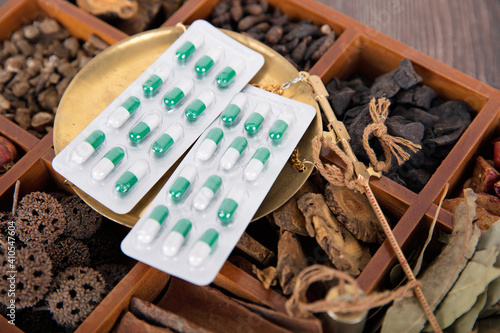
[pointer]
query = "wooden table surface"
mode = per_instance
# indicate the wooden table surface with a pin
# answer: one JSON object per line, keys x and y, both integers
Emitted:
{"x": 464, "y": 34}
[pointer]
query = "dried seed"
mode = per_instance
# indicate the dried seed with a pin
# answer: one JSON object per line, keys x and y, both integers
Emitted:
{"x": 254, "y": 9}
{"x": 9, "y": 48}
{"x": 21, "y": 88}
{"x": 259, "y": 28}
{"x": 49, "y": 99}
{"x": 5, "y": 76}
{"x": 4, "y": 103}
{"x": 41, "y": 119}
{"x": 31, "y": 32}
{"x": 300, "y": 50}
{"x": 33, "y": 66}
{"x": 23, "y": 117}
{"x": 49, "y": 26}
{"x": 25, "y": 47}
{"x": 326, "y": 29}
{"x": 72, "y": 45}
{"x": 274, "y": 34}
{"x": 15, "y": 63}
{"x": 249, "y": 21}
{"x": 324, "y": 46}
{"x": 236, "y": 10}
{"x": 67, "y": 69}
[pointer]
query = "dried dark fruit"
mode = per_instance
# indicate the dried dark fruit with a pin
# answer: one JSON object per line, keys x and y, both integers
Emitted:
{"x": 8, "y": 154}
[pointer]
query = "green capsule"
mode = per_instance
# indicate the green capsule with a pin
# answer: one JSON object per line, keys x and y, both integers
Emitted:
{"x": 187, "y": 49}
{"x": 131, "y": 176}
{"x": 95, "y": 138}
{"x": 252, "y": 124}
{"x": 183, "y": 227}
{"x": 210, "y": 237}
{"x": 161, "y": 145}
{"x": 203, "y": 65}
{"x": 151, "y": 85}
{"x": 159, "y": 214}
{"x": 181, "y": 184}
{"x": 229, "y": 205}
{"x": 176, "y": 94}
{"x": 195, "y": 109}
{"x": 131, "y": 104}
{"x": 143, "y": 128}
{"x": 280, "y": 125}
{"x": 225, "y": 77}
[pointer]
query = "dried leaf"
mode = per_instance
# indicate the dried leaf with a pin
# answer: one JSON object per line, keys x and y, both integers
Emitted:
{"x": 491, "y": 238}
{"x": 406, "y": 315}
{"x": 473, "y": 281}
{"x": 466, "y": 323}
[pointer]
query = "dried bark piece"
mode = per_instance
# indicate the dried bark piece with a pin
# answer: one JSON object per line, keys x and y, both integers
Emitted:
{"x": 291, "y": 261}
{"x": 453, "y": 116}
{"x": 130, "y": 323}
{"x": 489, "y": 202}
{"x": 310, "y": 325}
{"x": 124, "y": 9}
{"x": 343, "y": 249}
{"x": 404, "y": 128}
{"x": 484, "y": 219}
{"x": 406, "y": 315}
{"x": 254, "y": 249}
{"x": 289, "y": 217}
{"x": 142, "y": 19}
{"x": 195, "y": 303}
{"x": 384, "y": 86}
{"x": 340, "y": 100}
{"x": 157, "y": 316}
{"x": 268, "y": 276}
{"x": 484, "y": 176}
{"x": 354, "y": 211}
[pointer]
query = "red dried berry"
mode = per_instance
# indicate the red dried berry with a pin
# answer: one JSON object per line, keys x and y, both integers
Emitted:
{"x": 8, "y": 154}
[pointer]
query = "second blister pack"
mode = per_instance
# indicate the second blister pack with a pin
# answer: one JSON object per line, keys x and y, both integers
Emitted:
{"x": 121, "y": 154}
{"x": 197, "y": 218}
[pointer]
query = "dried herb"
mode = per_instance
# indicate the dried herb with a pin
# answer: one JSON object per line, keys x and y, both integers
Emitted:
{"x": 343, "y": 249}
{"x": 406, "y": 315}
{"x": 291, "y": 261}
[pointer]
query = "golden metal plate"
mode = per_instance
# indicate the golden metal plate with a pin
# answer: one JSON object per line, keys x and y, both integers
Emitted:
{"x": 110, "y": 72}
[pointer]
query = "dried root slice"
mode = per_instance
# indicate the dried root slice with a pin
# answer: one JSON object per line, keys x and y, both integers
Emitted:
{"x": 343, "y": 249}
{"x": 353, "y": 210}
{"x": 267, "y": 276}
{"x": 484, "y": 219}
{"x": 291, "y": 261}
{"x": 124, "y": 9}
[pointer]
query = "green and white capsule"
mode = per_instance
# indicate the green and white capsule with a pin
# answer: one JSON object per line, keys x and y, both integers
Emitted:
{"x": 176, "y": 238}
{"x": 120, "y": 115}
{"x": 167, "y": 139}
{"x": 277, "y": 131}
{"x": 186, "y": 177}
{"x": 144, "y": 127}
{"x": 107, "y": 163}
{"x": 205, "y": 63}
{"x": 233, "y": 153}
{"x": 256, "y": 164}
{"x": 84, "y": 150}
{"x": 253, "y": 122}
{"x": 135, "y": 173}
{"x": 178, "y": 93}
{"x": 227, "y": 76}
{"x": 203, "y": 102}
{"x": 150, "y": 87}
{"x": 187, "y": 49}
{"x": 237, "y": 104}
{"x": 203, "y": 247}
{"x": 208, "y": 146}
{"x": 207, "y": 192}
{"x": 230, "y": 204}
{"x": 150, "y": 228}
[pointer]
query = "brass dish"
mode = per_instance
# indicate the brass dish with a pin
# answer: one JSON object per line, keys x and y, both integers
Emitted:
{"x": 110, "y": 72}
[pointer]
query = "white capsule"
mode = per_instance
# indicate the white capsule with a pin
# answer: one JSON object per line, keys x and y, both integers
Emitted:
{"x": 82, "y": 152}
{"x": 203, "y": 198}
{"x": 175, "y": 239}
{"x": 150, "y": 228}
{"x": 102, "y": 169}
{"x": 118, "y": 117}
{"x": 209, "y": 144}
{"x": 172, "y": 244}
{"x": 148, "y": 231}
{"x": 253, "y": 169}
{"x": 229, "y": 158}
{"x": 199, "y": 253}
{"x": 186, "y": 86}
{"x": 139, "y": 169}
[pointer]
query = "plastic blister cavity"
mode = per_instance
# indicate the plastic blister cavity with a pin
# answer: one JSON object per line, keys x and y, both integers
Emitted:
{"x": 179, "y": 88}
{"x": 219, "y": 202}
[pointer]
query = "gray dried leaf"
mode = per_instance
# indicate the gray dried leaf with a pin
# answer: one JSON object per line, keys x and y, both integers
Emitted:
{"x": 466, "y": 323}
{"x": 473, "y": 281}
{"x": 406, "y": 315}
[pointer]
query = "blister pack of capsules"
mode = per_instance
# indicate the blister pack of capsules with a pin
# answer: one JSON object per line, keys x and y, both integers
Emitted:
{"x": 197, "y": 218}
{"x": 130, "y": 145}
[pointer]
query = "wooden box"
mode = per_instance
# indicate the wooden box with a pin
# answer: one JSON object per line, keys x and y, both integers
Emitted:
{"x": 358, "y": 49}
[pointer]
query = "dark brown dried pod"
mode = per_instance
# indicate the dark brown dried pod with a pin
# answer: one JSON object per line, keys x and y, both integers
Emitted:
{"x": 112, "y": 274}
{"x": 69, "y": 252}
{"x": 82, "y": 220}
{"x": 40, "y": 219}
{"x": 32, "y": 279}
{"x": 78, "y": 291}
